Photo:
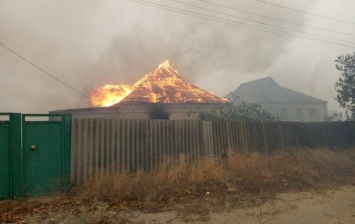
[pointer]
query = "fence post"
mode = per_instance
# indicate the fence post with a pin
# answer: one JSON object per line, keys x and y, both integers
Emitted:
{"x": 265, "y": 143}
{"x": 282, "y": 140}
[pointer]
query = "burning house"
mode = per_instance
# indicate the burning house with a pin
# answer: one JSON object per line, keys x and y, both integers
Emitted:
{"x": 161, "y": 94}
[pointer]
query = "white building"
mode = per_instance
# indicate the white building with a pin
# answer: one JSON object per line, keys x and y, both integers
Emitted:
{"x": 281, "y": 102}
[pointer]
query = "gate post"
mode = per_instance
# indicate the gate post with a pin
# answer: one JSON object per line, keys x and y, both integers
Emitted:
{"x": 67, "y": 123}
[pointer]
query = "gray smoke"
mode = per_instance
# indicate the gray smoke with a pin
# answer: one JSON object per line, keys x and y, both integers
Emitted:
{"x": 89, "y": 43}
{"x": 198, "y": 48}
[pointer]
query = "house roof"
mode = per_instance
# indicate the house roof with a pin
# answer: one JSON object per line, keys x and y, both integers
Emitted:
{"x": 267, "y": 90}
{"x": 165, "y": 85}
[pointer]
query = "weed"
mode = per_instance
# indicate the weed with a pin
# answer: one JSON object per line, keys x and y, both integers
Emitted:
{"x": 242, "y": 180}
{"x": 252, "y": 174}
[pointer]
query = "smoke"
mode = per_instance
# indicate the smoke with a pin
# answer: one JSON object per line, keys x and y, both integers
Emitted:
{"x": 200, "y": 49}
{"x": 87, "y": 44}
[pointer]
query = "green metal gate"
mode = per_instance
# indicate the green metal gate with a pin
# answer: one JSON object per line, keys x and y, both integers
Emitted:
{"x": 43, "y": 164}
{"x": 46, "y": 154}
{"x": 10, "y": 155}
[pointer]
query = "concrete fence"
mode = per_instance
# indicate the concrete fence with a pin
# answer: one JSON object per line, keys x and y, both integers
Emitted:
{"x": 104, "y": 144}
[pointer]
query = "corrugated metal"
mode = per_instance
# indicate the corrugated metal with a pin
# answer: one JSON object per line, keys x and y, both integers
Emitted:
{"x": 99, "y": 145}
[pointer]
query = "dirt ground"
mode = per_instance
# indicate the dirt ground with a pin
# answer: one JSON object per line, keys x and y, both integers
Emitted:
{"x": 336, "y": 206}
{"x": 332, "y": 206}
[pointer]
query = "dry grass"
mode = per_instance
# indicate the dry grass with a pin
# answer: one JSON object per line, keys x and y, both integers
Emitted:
{"x": 171, "y": 176}
{"x": 241, "y": 180}
{"x": 254, "y": 174}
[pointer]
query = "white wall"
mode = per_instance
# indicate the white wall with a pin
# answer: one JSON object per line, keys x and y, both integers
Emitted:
{"x": 291, "y": 107}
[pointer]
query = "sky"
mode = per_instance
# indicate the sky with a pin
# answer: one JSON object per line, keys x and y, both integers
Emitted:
{"x": 87, "y": 44}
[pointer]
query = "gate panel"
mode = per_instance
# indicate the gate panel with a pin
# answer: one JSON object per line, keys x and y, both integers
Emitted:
{"x": 45, "y": 155}
{"x": 10, "y": 155}
{"x": 5, "y": 158}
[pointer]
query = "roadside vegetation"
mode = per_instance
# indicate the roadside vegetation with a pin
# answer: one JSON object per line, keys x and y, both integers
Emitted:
{"x": 239, "y": 181}
{"x": 253, "y": 174}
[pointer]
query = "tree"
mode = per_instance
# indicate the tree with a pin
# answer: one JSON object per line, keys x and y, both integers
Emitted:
{"x": 239, "y": 112}
{"x": 345, "y": 86}
{"x": 334, "y": 117}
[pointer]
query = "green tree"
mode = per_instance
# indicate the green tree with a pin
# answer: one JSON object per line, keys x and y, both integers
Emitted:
{"x": 334, "y": 117}
{"x": 238, "y": 111}
{"x": 345, "y": 86}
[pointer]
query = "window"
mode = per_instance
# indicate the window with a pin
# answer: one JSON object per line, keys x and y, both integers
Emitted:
{"x": 283, "y": 114}
{"x": 312, "y": 114}
{"x": 298, "y": 114}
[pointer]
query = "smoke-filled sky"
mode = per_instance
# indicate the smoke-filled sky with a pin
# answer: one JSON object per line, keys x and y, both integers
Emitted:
{"x": 87, "y": 43}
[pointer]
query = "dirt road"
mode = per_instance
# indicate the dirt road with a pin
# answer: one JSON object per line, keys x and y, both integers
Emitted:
{"x": 328, "y": 207}
{"x": 335, "y": 206}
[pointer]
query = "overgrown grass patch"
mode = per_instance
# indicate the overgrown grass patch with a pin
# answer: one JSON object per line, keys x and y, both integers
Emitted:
{"x": 195, "y": 187}
{"x": 240, "y": 175}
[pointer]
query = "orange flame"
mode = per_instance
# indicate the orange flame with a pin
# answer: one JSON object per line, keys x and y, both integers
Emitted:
{"x": 163, "y": 85}
{"x": 109, "y": 94}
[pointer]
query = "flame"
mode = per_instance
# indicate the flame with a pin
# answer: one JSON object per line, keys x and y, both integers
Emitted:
{"x": 163, "y": 85}
{"x": 165, "y": 64}
{"x": 109, "y": 94}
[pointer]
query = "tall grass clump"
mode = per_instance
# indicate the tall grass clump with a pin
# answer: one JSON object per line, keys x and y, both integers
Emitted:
{"x": 255, "y": 173}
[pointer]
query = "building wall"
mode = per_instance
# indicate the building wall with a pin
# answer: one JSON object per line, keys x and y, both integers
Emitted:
{"x": 173, "y": 111}
{"x": 293, "y": 111}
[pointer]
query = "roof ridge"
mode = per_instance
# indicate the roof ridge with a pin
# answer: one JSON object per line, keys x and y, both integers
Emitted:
{"x": 262, "y": 90}
{"x": 297, "y": 92}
